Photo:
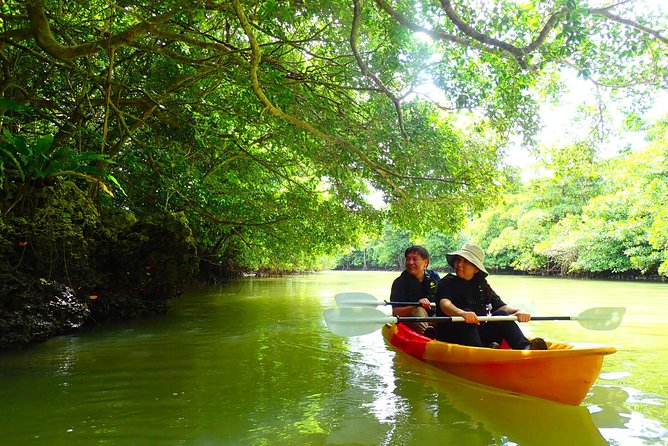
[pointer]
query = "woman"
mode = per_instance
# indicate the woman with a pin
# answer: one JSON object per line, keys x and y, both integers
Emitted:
{"x": 467, "y": 294}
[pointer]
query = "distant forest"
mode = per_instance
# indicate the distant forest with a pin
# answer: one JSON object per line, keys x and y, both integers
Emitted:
{"x": 582, "y": 217}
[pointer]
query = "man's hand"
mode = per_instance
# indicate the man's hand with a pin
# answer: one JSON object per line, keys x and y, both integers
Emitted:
{"x": 425, "y": 303}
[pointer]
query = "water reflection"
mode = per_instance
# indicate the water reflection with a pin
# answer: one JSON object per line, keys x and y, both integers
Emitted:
{"x": 407, "y": 402}
{"x": 252, "y": 364}
{"x": 613, "y": 412}
{"x": 507, "y": 417}
{"x": 373, "y": 407}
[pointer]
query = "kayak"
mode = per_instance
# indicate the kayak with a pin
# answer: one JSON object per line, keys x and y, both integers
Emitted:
{"x": 563, "y": 373}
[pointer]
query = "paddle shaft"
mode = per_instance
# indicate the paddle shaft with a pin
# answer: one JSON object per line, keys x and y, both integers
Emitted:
{"x": 359, "y": 321}
{"x": 347, "y": 300}
{"x": 402, "y": 304}
{"x": 374, "y": 302}
{"x": 480, "y": 318}
{"x": 461, "y": 319}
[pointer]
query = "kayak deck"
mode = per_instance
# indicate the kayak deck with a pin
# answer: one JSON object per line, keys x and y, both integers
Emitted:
{"x": 564, "y": 373}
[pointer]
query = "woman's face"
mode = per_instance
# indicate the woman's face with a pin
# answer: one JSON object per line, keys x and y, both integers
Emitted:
{"x": 465, "y": 269}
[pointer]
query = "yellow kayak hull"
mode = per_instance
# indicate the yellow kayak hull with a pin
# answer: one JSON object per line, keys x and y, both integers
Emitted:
{"x": 564, "y": 373}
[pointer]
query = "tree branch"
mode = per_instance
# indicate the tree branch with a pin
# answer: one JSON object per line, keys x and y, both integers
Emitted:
{"x": 41, "y": 30}
{"x": 357, "y": 10}
{"x": 604, "y": 12}
{"x": 438, "y": 35}
{"x": 255, "y": 58}
{"x": 542, "y": 35}
{"x": 517, "y": 53}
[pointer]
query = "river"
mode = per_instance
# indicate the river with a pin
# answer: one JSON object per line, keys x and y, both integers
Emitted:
{"x": 251, "y": 362}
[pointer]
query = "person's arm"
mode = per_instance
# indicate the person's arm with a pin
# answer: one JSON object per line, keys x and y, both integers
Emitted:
{"x": 398, "y": 294}
{"x": 404, "y": 311}
{"x": 449, "y": 309}
{"x": 522, "y": 316}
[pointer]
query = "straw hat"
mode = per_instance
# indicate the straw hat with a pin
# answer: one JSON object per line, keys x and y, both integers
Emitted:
{"x": 472, "y": 253}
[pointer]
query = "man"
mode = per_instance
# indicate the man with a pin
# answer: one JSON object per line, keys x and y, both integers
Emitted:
{"x": 416, "y": 284}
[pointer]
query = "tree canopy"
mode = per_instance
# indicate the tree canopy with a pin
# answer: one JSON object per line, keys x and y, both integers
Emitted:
{"x": 267, "y": 122}
{"x": 602, "y": 217}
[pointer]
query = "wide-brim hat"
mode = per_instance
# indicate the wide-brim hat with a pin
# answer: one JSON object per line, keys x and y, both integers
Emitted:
{"x": 472, "y": 253}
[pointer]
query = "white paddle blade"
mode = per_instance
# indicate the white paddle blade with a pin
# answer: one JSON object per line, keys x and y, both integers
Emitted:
{"x": 601, "y": 318}
{"x": 355, "y": 321}
{"x": 355, "y": 299}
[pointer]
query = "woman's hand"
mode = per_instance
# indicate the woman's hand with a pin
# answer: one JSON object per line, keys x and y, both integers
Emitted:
{"x": 522, "y": 316}
{"x": 447, "y": 307}
{"x": 470, "y": 317}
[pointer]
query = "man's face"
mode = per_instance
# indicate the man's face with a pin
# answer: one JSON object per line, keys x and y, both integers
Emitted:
{"x": 415, "y": 264}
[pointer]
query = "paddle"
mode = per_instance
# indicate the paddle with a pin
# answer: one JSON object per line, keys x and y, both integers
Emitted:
{"x": 361, "y": 321}
{"x": 347, "y": 300}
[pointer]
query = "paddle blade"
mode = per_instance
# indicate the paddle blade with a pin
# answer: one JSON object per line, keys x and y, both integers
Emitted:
{"x": 347, "y": 300}
{"x": 355, "y": 321}
{"x": 601, "y": 318}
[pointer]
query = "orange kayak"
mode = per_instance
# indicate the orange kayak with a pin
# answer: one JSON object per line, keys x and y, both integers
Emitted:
{"x": 563, "y": 373}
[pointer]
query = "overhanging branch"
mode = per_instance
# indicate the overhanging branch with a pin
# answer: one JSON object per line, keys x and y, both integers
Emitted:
{"x": 357, "y": 11}
{"x": 255, "y": 58}
{"x": 605, "y": 12}
{"x": 41, "y": 30}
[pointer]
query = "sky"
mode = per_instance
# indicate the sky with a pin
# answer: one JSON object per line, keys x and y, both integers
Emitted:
{"x": 557, "y": 120}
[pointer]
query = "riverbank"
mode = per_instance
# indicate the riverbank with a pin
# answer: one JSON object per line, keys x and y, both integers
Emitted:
{"x": 66, "y": 264}
{"x": 631, "y": 276}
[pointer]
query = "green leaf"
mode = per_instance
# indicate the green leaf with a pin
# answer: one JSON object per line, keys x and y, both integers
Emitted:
{"x": 13, "y": 106}
{"x": 43, "y": 145}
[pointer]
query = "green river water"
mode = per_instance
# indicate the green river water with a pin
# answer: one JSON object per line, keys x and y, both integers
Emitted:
{"x": 252, "y": 363}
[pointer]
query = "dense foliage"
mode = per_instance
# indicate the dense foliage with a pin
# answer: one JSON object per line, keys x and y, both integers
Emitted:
{"x": 145, "y": 142}
{"x": 590, "y": 217}
{"x": 265, "y": 123}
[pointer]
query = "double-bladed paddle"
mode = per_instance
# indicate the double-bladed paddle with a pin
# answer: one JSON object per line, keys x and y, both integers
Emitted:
{"x": 360, "y": 321}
